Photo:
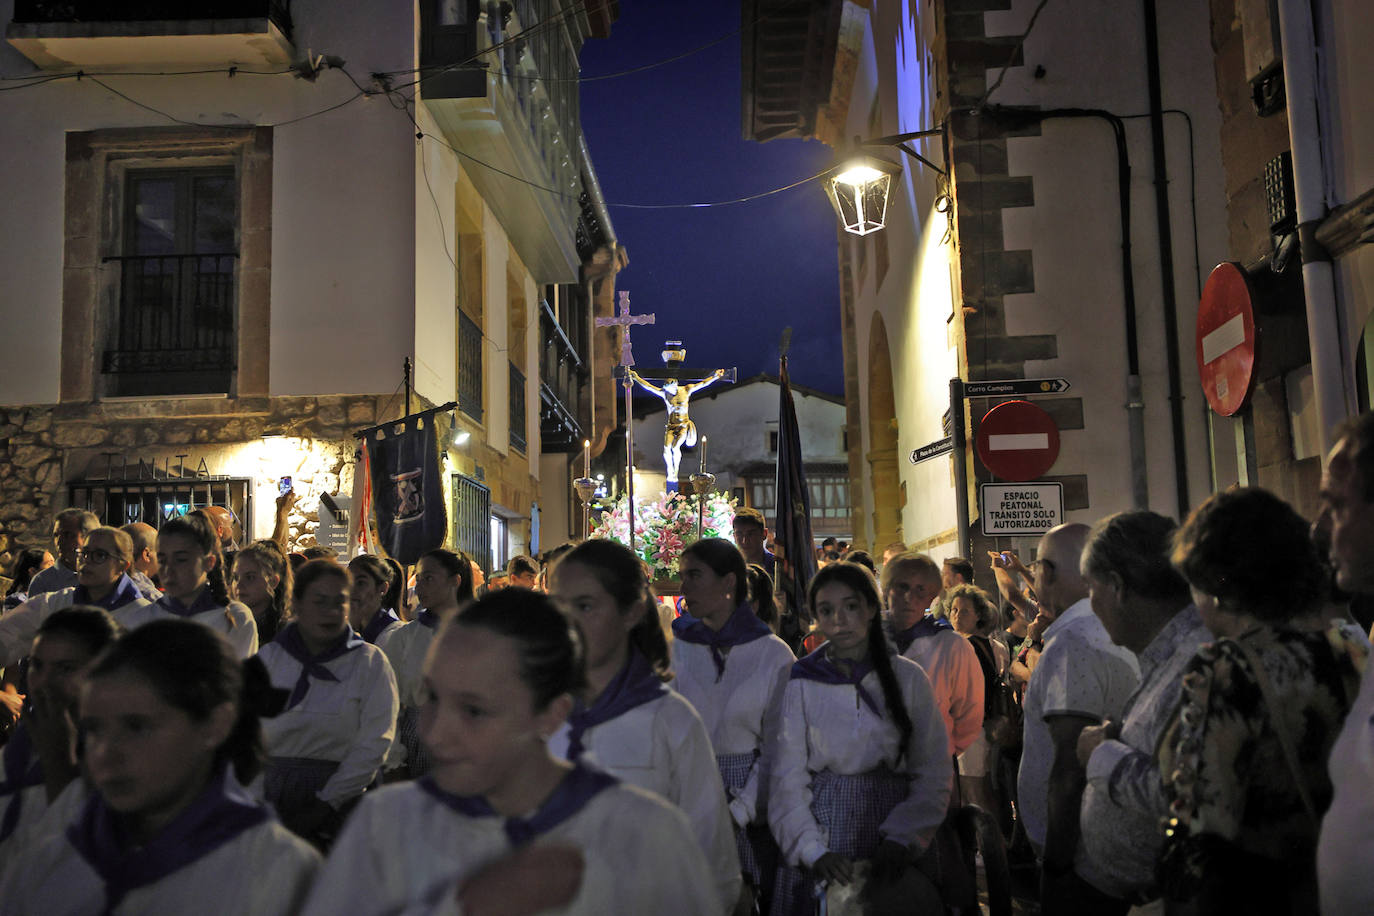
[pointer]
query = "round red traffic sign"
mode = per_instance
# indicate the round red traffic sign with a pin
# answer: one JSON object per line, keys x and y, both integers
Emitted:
{"x": 1226, "y": 339}
{"x": 1017, "y": 441}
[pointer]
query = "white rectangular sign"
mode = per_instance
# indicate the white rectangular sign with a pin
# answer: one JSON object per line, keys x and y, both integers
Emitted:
{"x": 1021, "y": 508}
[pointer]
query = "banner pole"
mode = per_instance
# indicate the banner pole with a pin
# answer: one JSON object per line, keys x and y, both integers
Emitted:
{"x": 630, "y": 457}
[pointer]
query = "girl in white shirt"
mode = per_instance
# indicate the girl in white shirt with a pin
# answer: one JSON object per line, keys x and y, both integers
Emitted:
{"x": 368, "y": 612}
{"x": 627, "y": 722}
{"x": 192, "y": 573}
{"x": 171, "y": 732}
{"x": 329, "y": 743}
{"x": 860, "y": 764}
{"x": 443, "y": 582}
{"x": 499, "y": 820}
{"x": 261, "y": 579}
{"x": 730, "y": 666}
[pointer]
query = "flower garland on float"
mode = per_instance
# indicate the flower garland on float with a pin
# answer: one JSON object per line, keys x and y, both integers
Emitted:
{"x": 665, "y": 525}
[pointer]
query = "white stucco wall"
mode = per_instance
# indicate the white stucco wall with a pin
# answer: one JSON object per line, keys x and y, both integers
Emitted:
{"x": 1094, "y": 58}
{"x": 343, "y": 242}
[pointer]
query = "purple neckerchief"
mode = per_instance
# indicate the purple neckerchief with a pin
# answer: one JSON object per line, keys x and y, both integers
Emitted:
{"x": 928, "y": 625}
{"x": 124, "y": 591}
{"x": 22, "y": 770}
{"x": 635, "y": 685}
{"x": 428, "y": 618}
{"x": 204, "y": 602}
{"x": 289, "y": 638}
{"x": 571, "y": 795}
{"x": 818, "y": 667}
{"x": 384, "y": 618}
{"x": 219, "y": 814}
{"x": 742, "y": 627}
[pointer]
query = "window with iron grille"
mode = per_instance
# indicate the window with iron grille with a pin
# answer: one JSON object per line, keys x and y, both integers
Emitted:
{"x": 471, "y": 517}
{"x": 174, "y": 328}
{"x": 469, "y": 367}
{"x": 157, "y": 500}
{"x": 517, "y": 408}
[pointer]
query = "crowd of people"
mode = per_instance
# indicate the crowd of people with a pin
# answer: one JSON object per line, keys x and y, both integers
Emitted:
{"x": 1152, "y": 716}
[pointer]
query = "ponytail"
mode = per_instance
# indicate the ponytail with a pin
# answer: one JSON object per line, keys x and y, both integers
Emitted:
{"x": 892, "y": 694}
{"x": 761, "y": 593}
{"x": 622, "y": 576}
{"x": 194, "y": 669}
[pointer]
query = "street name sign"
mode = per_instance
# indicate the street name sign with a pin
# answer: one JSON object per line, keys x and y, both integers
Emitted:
{"x": 933, "y": 450}
{"x": 1021, "y": 508}
{"x": 1016, "y": 387}
{"x": 1226, "y": 339}
{"x": 1018, "y": 441}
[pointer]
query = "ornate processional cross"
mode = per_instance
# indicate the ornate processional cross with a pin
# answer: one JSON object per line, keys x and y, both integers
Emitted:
{"x": 624, "y": 319}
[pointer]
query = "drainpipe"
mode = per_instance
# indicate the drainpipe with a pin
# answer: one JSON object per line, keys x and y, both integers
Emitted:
{"x": 1166, "y": 259}
{"x": 1324, "y": 332}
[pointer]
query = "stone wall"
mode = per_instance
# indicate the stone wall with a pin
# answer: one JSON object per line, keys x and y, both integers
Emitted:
{"x": 45, "y": 448}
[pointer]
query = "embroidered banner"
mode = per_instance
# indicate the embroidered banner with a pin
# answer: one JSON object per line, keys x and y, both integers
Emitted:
{"x": 407, "y": 491}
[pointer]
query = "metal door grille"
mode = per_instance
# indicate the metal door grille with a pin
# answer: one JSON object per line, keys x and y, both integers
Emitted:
{"x": 472, "y": 519}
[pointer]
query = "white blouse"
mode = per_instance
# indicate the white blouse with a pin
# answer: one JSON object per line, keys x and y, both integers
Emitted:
{"x": 234, "y": 621}
{"x": 19, "y": 626}
{"x": 352, "y": 720}
{"x": 405, "y": 647}
{"x": 403, "y": 853}
{"x": 734, "y": 708}
{"x": 265, "y": 871}
{"x": 662, "y": 746}
{"x": 827, "y": 727}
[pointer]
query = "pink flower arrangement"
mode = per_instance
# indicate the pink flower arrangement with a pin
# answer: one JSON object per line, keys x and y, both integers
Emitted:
{"x": 665, "y": 524}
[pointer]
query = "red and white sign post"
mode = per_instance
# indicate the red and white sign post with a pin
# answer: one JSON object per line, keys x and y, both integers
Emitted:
{"x": 1018, "y": 441}
{"x": 1226, "y": 339}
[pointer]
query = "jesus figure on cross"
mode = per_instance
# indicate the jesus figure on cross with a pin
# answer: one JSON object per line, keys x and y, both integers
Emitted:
{"x": 679, "y": 429}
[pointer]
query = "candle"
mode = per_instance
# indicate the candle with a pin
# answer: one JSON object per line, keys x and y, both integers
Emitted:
{"x": 586, "y": 457}
{"x": 702, "y": 467}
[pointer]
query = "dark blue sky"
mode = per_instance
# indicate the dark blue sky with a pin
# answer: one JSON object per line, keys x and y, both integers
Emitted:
{"x": 725, "y": 280}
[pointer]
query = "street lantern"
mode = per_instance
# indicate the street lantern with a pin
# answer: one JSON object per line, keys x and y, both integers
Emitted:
{"x": 858, "y": 191}
{"x": 859, "y": 184}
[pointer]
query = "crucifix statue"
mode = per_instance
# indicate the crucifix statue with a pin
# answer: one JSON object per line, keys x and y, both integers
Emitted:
{"x": 676, "y": 393}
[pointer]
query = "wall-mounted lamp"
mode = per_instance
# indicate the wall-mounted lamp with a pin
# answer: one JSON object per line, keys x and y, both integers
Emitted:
{"x": 461, "y": 437}
{"x": 859, "y": 184}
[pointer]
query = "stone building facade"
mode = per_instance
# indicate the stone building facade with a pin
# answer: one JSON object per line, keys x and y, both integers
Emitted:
{"x": 217, "y": 275}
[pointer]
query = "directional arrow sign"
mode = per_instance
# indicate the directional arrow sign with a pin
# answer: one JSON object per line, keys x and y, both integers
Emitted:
{"x": 1016, "y": 387}
{"x": 938, "y": 447}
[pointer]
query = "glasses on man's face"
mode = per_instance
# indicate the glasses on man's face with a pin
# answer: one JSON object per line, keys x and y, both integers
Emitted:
{"x": 1037, "y": 565}
{"x": 94, "y": 555}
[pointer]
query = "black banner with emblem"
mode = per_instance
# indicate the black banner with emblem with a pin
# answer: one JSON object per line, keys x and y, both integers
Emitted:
{"x": 407, "y": 489}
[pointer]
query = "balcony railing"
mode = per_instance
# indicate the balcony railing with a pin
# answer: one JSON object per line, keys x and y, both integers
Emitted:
{"x": 469, "y": 367}
{"x": 176, "y": 315}
{"x": 150, "y": 10}
{"x": 67, "y": 34}
{"x": 563, "y": 376}
{"x": 517, "y": 408}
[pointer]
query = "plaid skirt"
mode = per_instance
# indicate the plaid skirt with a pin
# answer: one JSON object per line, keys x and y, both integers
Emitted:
{"x": 850, "y": 809}
{"x": 408, "y": 734}
{"x": 758, "y": 851}
{"x": 290, "y": 783}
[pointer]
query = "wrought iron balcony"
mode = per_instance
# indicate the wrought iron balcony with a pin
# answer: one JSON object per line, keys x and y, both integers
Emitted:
{"x": 67, "y": 34}
{"x": 175, "y": 331}
{"x": 563, "y": 377}
{"x": 469, "y": 367}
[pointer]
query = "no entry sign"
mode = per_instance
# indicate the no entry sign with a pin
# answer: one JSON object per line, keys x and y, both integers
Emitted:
{"x": 1226, "y": 339}
{"x": 1018, "y": 441}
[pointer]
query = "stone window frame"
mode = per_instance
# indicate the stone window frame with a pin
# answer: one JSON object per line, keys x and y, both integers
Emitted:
{"x": 96, "y": 162}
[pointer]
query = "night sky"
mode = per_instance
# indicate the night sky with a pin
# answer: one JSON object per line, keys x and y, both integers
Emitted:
{"x": 725, "y": 280}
